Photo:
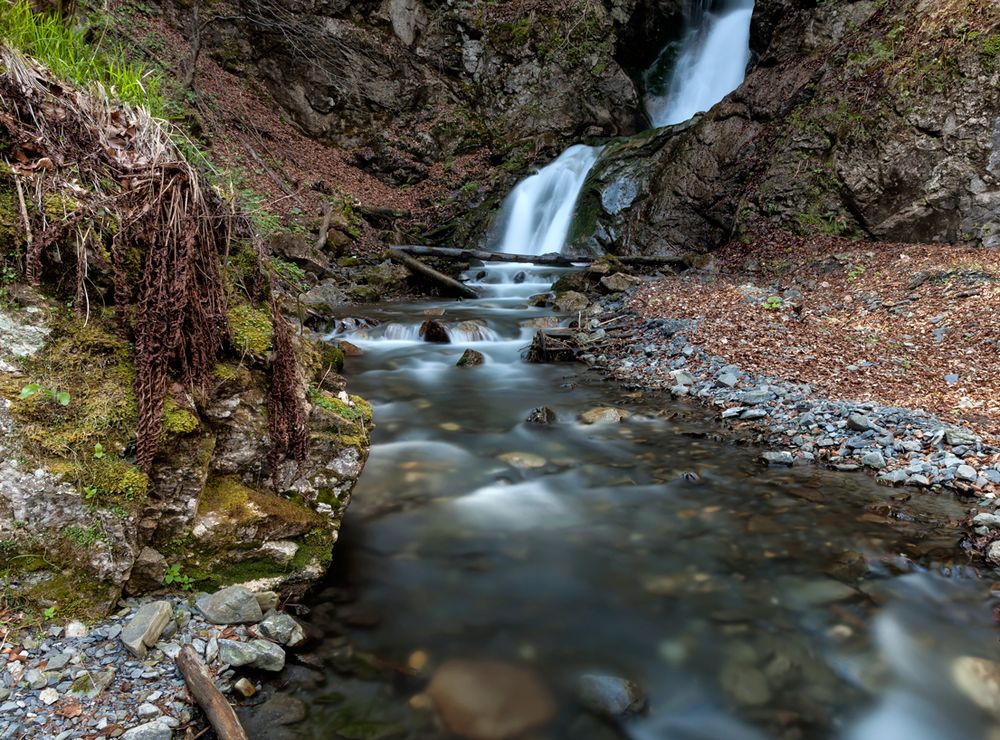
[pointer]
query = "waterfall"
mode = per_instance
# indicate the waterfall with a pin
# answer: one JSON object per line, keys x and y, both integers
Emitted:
{"x": 536, "y": 216}
{"x": 711, "y": 62}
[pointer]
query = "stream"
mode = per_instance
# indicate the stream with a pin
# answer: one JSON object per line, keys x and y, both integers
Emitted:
{"x": 746, "y": 602}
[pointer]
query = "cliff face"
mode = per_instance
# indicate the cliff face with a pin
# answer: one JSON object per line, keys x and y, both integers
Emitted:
{"x": 862, "y": 119}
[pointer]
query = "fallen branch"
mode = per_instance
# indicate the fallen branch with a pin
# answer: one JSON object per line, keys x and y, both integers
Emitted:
{"x": 220, "y": 715}
{"x": 552, "y": 258}
{"x": 419, "y": 268}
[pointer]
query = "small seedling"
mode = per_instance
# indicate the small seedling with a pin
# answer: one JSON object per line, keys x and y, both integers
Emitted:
{"x": 89, "y": 492}
{"x": 60, "y": 397}
{"x": 173, "y": 576}
{"x": 49, "y": 613}
{"x": 773, "y": 303}
{"x": 98, "y": 451}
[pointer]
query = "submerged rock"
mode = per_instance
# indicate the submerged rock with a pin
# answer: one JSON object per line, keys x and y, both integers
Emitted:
{"x": 604, "y": 415}
{"x": 541, "y": 415}
{"x": 610, "y": 696}
{"x": 979, "y": 680}
{"x": 489, "y": 700}
{"x": 434, "y": 331}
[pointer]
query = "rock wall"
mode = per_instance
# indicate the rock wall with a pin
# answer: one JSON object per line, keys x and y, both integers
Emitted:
{"x": 862, "y": 119}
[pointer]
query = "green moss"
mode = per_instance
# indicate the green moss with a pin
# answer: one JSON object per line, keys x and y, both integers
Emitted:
{"x": 57, "y": 206}
{"x": 251, "y": 329}
{"x": 178, "y": 421}
{"x": 229, "y": 495}
{"x": 118, "y": 478}
{"x": 225, "y": 494}
{"x": 75, "y": 596}
{"x": 989, "y": 50}
{"x": 332, "y": 356}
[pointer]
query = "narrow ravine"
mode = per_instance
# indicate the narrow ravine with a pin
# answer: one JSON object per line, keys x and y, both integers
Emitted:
{"x": 745, "y": 601}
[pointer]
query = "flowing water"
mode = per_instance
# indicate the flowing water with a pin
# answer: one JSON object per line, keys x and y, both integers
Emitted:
{"x": 537, "y": 214}
{"x": 748, "y": 602}
{"x": 710, "y": 63}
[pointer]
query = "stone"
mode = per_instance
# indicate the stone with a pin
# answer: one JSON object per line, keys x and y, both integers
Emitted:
{"x": 873, "y": 460}
{"x": 993, "y": 552}
{"x": 434, "y": 331}
{"x": 753, "y": 414}
{"x": 157, "y": 730}
{"x": 619, "y": 282}
{"x": 280, "y": 710}
{"x": 256, "y": 654}
{"x": 145, "y": 628}
{"x": 471, "y": 358}
{"x": 488, "y": 699}
{"x": 35, "y": 679}
{"x": 48, "y": 697}
{"x": 986, "y": 520}
{"x": 979, "y": 680}
{"x": 744, "y": 684}
{"x": 75, "y": 629}
{"x": 778, "y": 458}
{"x": 282, "y": 629}
{"x": 230, "y": 605}
{"x": 603, "y": 415}
{"x": 147, "y": 572}
{"x": 610, "y": 696}
{"x": 681, "y": 377}
{"x": 147, "y": 710}
{"x": 58, "y": 661}
{"x": 727, "y": 379}
{"x": 570, "y": 302}
{"x": 245, "y": 688}
{"x": 860, "y": 423}
{"x": 956, "y": 436}
{"x": 266, "y": 600}
{"x": 966, "y": 473}
{"x": 541, "y": 415}
{"x": 523, "y": 460}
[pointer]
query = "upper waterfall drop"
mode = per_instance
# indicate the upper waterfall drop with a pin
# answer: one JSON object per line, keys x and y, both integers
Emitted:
{"x": 538, "y": 212}
{"x": 711, "y": 63}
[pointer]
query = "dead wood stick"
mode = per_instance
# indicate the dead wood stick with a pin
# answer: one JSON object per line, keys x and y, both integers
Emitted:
{"x": 220, "y": 715}
{"x": 324, "y": 227}
{"x": 551, "y": 258}
{"x": 419, "y": 268}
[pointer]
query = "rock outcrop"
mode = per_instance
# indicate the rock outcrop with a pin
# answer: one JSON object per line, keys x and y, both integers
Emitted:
{"x": 854, "y": 121}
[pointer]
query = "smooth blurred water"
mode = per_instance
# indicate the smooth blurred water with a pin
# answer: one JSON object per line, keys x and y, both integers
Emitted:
{"x": 710, "y": 63}
{"x": 749, "y": 602}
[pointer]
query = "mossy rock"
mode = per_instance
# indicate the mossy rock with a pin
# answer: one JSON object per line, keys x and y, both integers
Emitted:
{"x": 178, "y": 421}
{"x": 251, "y": 329}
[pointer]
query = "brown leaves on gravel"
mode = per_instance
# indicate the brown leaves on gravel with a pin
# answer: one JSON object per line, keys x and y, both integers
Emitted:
{"x": 903, "y": 325}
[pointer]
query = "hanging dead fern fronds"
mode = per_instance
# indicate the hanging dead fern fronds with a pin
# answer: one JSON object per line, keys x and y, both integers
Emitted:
{"x": 286, "y": 406}
{"x": 122, "y": 172}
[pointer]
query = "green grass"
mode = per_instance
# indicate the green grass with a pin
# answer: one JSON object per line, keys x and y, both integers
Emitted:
{"x": 63, "y": 49}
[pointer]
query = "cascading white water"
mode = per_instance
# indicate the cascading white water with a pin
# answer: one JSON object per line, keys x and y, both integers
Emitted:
{"x": 537, "y": 214}
{"x": 711, "y": 64}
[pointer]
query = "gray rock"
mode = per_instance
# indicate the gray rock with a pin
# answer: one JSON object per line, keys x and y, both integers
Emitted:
{"x": 571, "y": 302}
{"x": 256, "y": 654}
{"x": 610, "y": 696}
{"x": 745, "y": 684}
{"x": 158, "y": 730}
{"x": 282, "y": 629}
{"x": 48, "y": 697}
{"x": 778, "y": 458}
{"x": 76, "y": 629}
{"x": 918, "y": 480}
{"x": 681, "y": 377}
{"x": 147, "y": 572}
{"x": 230, "y": 605}
{"x": 619, "y": 282}
{"x": 893, "y": 477}
{"x": 993, "y": 552}
{"x": 541, "y": 415}
{"x": 145, "y": 628}
{"x": 986, "y": 520}
{"x": 35, "y": 679}
{"x": 873, "y": 460}
{"x": 966, "y": 473}
{"x": 860, "y": 423}
{"x": 753, "y": 414}
{"x": 148, "y": 711}
{"x": 956, "y": 436}
{"x": 727, "y": 379}
{"x": 266, "y": 600}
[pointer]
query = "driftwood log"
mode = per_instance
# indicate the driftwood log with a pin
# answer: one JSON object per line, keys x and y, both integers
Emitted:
{"x": 220, "y": 715}
{"x": 419, "y": 268}
{"x": 552, "y": 258}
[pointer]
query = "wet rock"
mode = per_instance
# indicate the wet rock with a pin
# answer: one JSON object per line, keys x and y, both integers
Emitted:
{"x": 230, "y": 605}
{"x": 474, "y": 330}
{"x": 744, "y": 684}
{"x": 489, "y": 700}
{"x": 610, "y": 696}
{"x": 571, "y": 302}
{"x": 603, "y": 415}
{"x": 145, "y": 628}
{"x": 541, "y": 415}
{"x": 256, "y": 654}
{"x": 283, "y": 629}
{"x": 618, "y": 282}
{"x": 434, "y": 331}
{"x": 519, "y": 277}
{"x": 979, "y": 680}
{"x": 157, "y": 730}
{"x": 279, "y": 711}
{"x": 523, "y": 460}
{"x": 778, "y": 458}
{"x": 350, "y": 350}
{"x": 245, "y": 688}
{"x": 470, "y": 358}
{"x": 147, "y": 572}
{"x": 541, "y": 300}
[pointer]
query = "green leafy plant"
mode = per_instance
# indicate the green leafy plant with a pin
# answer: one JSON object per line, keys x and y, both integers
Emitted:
{"x": 855, "y": 272}
{"x": 773, "y": 303}
{"x": 90, "y": 492}
{"x": 173, "y": 576}
{"x": 50, "y": 612}
{"x": 98, "y": 451}
{"x": 32, "y": 389}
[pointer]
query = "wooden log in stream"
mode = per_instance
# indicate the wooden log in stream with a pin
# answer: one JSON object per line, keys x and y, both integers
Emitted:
{"x": 419, "y": 268}
{"x": 552, "y": 258}
{"x": 220, "y": 714}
